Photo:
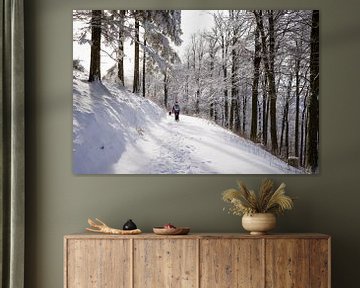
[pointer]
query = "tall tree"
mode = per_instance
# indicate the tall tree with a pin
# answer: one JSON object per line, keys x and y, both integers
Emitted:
{"x": 303, "y": 132}
{"x": 221, "y": 26}
{"x": 212, "y": 39}
{"x": 144, "y": 68}
{"x": 120, "y": 60}
{"x": 161, "y": 27}
{"x": 299, "y": 59}
{"x": 234, "y": 118}
{"x": 297, "y": 105}
{"x": 116, "y": 26}
{"x": 313, "y": 124}
{"x": 285, "y": 121}
{"x": 95, "y": 72}
{"x": 187, "y": 77}
{"x": 136, "y": 81}
{"x": 272, "y": 86}
{"x": 244, "y": 113}
{"x": 269, "y": 63}
{"x": 255, "y": 86}
{"x": 265, "y": 109}
{"x": 165, "y": 88}
{"x": 197, "y": 55}
{"x": 224, "y": 52}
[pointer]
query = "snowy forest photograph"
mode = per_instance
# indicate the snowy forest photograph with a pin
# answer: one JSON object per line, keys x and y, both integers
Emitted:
{"x": 196, "y": 91}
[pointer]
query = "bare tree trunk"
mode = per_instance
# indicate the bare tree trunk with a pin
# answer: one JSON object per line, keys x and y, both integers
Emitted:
{"x": 212, "y": 100}
{"x": 244, "y": 105}
{"x": 216, "y": 117}
{"x": 144, "y": 70}
{"x": 259, "y": 120}
{"x": 211, "y": 110}
{"x": 265, "y": 108}
{"x": 234, "y": 120}
{"x": 297, "y": 105}
{"x": 272, "y": 87}
{"x": 224, "y": 68}
{"x": 284, "y": 119}
{"x": 234, "y": 95}
{"x": 120, "y": 62}
{"x": 267, "y": 116}
{"x": 136, "y": 83}
{"x": 186, "y": 97}
{"x": 165, "y": 91}
{"x": 305, "y": 137}
{"x": 288, "y": 96}
{"x": 199, "y": 85}
{"x": 269, "y": 61}
{"x": 95, "y": 72}
{"x": 303, "y": 133}
{"x": 197, "y": 102}
{"x": 313, "y": 124}
{"x": 255, "y": 86}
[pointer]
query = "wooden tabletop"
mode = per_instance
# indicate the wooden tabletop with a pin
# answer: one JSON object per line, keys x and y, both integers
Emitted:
{"x": 89, "y": 235}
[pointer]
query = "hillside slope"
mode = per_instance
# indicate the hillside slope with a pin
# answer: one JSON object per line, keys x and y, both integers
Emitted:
{"x": 118, "y": 132}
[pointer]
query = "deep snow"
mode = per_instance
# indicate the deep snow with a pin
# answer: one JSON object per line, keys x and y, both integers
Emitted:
{"x": 118, "y": 132}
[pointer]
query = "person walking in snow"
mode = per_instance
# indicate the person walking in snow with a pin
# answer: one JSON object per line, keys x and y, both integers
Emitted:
{"x": 176, "y": 110}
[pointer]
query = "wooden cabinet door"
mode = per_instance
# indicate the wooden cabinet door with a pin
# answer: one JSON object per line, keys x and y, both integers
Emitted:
{"x": 166, "y": 263}
{"x": 98, "y": 263}
{"x": 287, "y": 263}
{"x": 320, "y": 263}
{"x": 231, "y": 263}
{"x": 296, "y": 263}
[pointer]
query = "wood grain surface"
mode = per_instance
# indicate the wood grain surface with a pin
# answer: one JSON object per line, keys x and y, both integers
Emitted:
{"x": 320, "y": 263}
{"x": 287, "y": 263}
{"x": 165, "y": 263}
{"x": 98, "y": 263}
{"x": 228, "y": 263}
{"x": 197, "y": 260}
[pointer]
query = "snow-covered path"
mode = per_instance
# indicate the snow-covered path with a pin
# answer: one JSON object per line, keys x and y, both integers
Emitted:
{"x": 118, "y": 132}
{"x": 195, "y": 146}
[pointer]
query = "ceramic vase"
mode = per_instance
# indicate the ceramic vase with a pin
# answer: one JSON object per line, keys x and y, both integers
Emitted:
{"x": 259, "y": 223}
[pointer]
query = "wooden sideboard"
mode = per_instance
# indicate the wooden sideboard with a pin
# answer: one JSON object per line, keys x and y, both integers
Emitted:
{"x": 197, "y": 260}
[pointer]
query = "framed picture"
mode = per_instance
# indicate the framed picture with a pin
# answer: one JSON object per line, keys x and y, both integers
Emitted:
{"x": 195, "y": 91}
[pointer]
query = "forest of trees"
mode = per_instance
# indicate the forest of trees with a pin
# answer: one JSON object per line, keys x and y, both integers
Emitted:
{"x": 253, "y": 72}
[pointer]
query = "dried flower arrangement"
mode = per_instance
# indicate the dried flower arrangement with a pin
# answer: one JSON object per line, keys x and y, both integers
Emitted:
{"x": 246, "y": 202}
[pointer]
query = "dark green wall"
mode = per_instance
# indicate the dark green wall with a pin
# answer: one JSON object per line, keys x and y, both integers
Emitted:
{"x": 59, "y": 202}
